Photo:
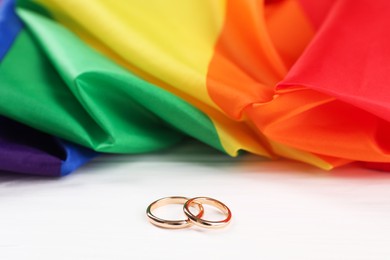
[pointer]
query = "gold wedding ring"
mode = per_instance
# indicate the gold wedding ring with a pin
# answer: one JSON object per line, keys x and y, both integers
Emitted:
{"x": 203, "y": 222}
{"x": 191, "y": 217}
{"x": 173, "y": 224}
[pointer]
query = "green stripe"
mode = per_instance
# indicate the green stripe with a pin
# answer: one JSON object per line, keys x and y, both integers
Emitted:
{"x": 54, "y": 82}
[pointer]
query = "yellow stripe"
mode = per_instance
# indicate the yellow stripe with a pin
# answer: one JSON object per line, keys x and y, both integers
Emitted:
{"x": 176, "y": 59}
{"x": 172, "y": 40}
{"x": 168, "y": 43}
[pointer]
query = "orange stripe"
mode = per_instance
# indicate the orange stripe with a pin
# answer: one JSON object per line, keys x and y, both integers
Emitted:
{"x": 250, "y": 56}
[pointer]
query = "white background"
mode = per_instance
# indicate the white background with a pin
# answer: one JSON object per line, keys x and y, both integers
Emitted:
{"x": 281, "y": 209}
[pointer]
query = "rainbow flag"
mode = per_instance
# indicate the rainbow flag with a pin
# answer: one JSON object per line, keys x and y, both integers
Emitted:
{"x": 291, "y": 79}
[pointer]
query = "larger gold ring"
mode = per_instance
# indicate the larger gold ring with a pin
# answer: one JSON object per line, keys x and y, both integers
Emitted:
{"x": 173, "y": 224}
{"x": 203, "y": 222}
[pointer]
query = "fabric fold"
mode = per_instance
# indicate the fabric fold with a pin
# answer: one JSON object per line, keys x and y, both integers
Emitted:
{"x": 348, "y": 67}
{"x": 284, "y": 78}
{"x": 23, "y": 149}
{"x": 100, "y": 105}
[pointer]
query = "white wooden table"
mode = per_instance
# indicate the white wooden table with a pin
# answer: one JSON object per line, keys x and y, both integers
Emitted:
{"x": 281, "y": 210}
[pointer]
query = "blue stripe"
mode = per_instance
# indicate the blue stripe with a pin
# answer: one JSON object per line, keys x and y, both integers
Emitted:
{"x": 10, "y": 26}
{"x": 75, "y": 157}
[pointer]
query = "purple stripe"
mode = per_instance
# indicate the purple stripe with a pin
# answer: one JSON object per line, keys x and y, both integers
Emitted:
{"x": 25, "y": 150}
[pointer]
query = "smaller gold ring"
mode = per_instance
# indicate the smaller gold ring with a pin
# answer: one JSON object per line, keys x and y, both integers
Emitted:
{"x": 203, "y": 222}
{"x": 172, "y": 224}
